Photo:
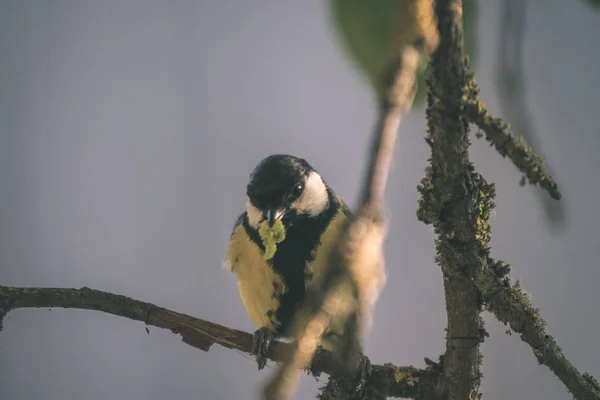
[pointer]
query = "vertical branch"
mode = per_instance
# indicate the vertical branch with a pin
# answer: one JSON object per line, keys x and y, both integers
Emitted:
{"x": 356, "y": 271}
{"x": 454, "y": 200}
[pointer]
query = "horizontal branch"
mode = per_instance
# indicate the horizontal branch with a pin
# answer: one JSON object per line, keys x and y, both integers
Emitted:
{"x": 512, "y": 306}
{"x": 498, "y": 133}
{"x": 390, "y": 380}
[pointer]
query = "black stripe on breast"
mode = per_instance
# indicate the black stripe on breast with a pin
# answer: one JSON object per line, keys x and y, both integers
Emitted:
{"x": 292, "y": 255}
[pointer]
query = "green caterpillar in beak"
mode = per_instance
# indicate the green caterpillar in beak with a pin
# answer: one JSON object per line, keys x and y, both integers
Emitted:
{"x": 270, "y": 236}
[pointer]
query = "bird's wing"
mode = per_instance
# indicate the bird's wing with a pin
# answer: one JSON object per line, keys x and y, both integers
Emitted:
{"x": 227, "y": 264}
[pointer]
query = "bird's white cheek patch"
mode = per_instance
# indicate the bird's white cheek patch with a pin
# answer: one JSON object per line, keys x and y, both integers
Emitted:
{"x": 254, "y": 214}
{"x": 314, "y": 199}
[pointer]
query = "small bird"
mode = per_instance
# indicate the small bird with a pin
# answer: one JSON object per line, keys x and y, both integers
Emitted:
{"x": 280, "y": 245}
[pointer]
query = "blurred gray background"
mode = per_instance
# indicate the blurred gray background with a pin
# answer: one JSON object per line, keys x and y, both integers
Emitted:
{"x": 128, "y": 132}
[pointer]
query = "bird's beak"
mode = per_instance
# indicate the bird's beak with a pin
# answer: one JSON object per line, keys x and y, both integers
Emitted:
{"x": 271, "y": 215}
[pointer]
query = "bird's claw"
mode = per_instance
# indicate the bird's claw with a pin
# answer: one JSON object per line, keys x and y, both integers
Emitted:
{"x": 261, "y": 342}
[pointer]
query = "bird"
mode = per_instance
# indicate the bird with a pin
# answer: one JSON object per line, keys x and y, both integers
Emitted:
{"x": 279, "y": 246}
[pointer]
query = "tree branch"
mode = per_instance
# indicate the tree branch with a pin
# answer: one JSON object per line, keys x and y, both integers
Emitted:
{"x": 356, "y": 271}
{"x": 510, "y": 88}
{"x": 390, "y": 380}
{"x": 498, "y": 133}
{"x": 453, "y": 200}
{"x": 512, "y": 306}
{"x": 459, "y": 209}
{"x": 458, "y": 201}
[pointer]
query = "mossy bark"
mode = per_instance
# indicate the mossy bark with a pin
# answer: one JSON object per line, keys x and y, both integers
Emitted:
{"x": 453, "y": 200}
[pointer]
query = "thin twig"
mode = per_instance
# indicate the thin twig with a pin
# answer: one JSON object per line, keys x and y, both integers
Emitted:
{"x": 390, "y": 380}
{"x": 516, "y": 148}
{"x": 357, "y": 270}
{"x": 511, "y": 90}
{"x": 399, "y": 100}
{"x": 512, "y": 306}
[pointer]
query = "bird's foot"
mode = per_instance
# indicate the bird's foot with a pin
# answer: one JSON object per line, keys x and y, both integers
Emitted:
{"x": 261, "y": 342}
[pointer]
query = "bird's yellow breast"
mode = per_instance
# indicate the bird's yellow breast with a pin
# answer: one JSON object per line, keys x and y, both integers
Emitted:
{"x": 260, "y": 286}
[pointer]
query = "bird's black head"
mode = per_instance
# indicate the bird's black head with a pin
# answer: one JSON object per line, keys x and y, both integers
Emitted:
{"x": 284, "y": 185}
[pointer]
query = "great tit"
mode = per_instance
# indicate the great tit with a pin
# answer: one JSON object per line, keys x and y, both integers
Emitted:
{"x": 287, "y": 197}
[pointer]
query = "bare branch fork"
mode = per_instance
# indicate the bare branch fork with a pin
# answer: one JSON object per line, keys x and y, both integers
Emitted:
{"x": 456, "y": 200}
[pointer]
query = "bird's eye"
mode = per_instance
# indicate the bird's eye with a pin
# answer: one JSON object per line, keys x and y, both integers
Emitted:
{"x": 298, "y": 189}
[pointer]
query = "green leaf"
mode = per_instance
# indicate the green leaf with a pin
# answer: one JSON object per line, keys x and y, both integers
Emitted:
{"x": 366, "y": 32}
